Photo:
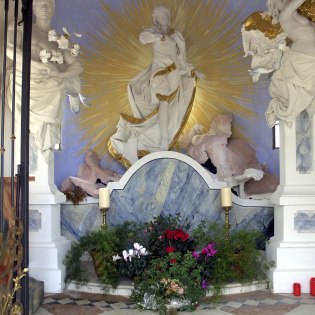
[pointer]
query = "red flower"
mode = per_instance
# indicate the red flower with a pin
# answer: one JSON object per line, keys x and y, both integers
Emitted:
{"x": 173, "y": 261}
{"x": 179, "y": 234}
{"x": 169, "y": 234}
{"x": 170, "y": 249}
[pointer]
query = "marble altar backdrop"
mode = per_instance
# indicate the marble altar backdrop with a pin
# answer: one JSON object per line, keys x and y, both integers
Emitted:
{"x": 166, "y": 183}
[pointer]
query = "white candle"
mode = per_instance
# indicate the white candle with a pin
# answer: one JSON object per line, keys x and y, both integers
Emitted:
{"x": 104, "y": 197}
{"x": 226, "y": 197}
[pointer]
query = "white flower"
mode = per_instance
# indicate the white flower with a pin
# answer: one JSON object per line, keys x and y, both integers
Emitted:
{"x": 137, "y": 246}
{"x": 125, "y": 254}
{"x": 67, "y": 33}
{"x": 56, "y": 56}
{"x": 75, "y": 49}
{"x": 63, "y": 42}
{"x": 44, "y": 56}
{"x": 52, "y": 36}
{"x": 116, "y": 257}
{"x": 131, "y": 253}
{"x": 143, "y": 251}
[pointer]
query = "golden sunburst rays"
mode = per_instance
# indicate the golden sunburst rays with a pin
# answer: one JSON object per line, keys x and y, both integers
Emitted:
{"x": 212, "y": 34}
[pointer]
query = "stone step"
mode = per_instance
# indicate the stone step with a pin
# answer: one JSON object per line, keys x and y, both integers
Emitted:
{"x": 36, "y": 295}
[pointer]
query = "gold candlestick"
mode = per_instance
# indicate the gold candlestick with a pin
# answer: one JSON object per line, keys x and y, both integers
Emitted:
{"x": 103, "y": 212}
{"x": 227, "y": 224}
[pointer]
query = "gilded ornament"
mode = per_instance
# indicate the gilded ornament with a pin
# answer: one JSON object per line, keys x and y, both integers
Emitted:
{"x": 307, "y": 9}
{"x": 260, "y": 21}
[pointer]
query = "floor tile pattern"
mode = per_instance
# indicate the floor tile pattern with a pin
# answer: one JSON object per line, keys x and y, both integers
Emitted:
{"x": 252, "y": 303}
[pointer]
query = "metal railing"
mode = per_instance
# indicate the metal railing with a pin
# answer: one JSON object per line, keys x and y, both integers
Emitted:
{"x": 14, "y": 282}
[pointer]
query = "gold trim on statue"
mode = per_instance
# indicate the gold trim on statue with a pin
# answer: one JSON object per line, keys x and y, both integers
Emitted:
{"x": 307, "y": 9}
{"x": 186, "y": 117}
{"x": 166, "y": 70}
{"x": 141, "y": 153}
{"x": 135, "y": 120}
{"x": 262, "y": 22}
{"x": 166, "y": 98}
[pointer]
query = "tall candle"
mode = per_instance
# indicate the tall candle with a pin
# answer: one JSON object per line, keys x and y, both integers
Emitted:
{"x": 226, "y": 197}
{"x": 104, "y": 197}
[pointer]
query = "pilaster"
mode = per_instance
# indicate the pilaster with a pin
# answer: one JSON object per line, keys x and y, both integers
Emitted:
{"x": 293, "y": 246}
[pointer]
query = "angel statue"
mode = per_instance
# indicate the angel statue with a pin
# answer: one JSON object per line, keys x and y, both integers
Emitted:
{"x": 55, "y": 72}
{"x": 160, "y": 97}
{"x": 282, "y": 43}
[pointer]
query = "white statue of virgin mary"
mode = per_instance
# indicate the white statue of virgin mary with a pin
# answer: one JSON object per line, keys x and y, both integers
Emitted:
{"x": 160, "y": 97}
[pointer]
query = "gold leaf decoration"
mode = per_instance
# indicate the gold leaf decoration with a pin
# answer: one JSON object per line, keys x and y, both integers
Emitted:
{"x": 212, "y": 34}
{"x": 259, "y": 21}
{"x": 307, "y": 9}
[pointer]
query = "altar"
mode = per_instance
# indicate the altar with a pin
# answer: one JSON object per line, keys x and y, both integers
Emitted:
{"x": 166, "y": 183}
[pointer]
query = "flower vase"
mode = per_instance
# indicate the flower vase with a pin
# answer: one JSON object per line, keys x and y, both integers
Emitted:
{"x": 97, "y": 265}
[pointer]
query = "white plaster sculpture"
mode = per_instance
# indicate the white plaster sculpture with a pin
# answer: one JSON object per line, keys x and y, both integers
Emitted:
{"x": 54, "y": 72}
{"x": 292, "y": 86}
{"x": 91, "y": 176}
{"x": 159, "y": 97}
{"x": 234, "y": 159}
{"x": 266, "y": 53}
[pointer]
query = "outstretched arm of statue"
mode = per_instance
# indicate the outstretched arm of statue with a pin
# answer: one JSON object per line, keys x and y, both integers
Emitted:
{"x": 148, "y": 36}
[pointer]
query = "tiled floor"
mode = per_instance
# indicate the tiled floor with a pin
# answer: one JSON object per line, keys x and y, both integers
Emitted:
{"x": 261, "y": 302}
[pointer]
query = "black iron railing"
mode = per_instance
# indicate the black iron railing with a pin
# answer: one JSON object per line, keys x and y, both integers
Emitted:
{"x": 14, "y": 241}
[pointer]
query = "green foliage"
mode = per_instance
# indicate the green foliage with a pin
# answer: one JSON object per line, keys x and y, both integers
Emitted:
{"x": 104, "y": 244}
{"x": 176, "y": 276}
{"x": 132, "y": 268}
{"x": 238, "y": 259}
{"x": 175, "y": 259}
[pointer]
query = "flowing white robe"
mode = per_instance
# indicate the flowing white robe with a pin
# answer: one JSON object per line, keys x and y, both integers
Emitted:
{"x": 292, "y": 88}
{"x": 47, "y": 95}
{"x": 168, "y": 78}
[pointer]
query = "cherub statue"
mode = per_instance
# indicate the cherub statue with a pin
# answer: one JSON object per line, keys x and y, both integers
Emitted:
{"x": 234, "y": 159}
{"x": 91, "y": 176}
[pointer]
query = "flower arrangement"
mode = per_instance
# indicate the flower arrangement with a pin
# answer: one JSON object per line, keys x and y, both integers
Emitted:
{"x": 133, "y": 262}
{"x": 168, "y": 235}
{"x": 172, "y": 268}
{"x": 59, "y": 55}
{"x": 171, "y": 281}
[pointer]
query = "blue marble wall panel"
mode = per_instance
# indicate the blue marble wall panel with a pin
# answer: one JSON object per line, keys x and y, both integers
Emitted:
{"x": 35, "y": 220}
{"x": 304, "y": 143}
{"x": 304, "y": 221}
{"x": 167, "y": 187}
{"x": 77, "y": 221}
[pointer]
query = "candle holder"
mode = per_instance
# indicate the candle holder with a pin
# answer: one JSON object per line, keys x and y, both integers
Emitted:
{"x": 103, "y": 212}
{"x": 227, "y": 224}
